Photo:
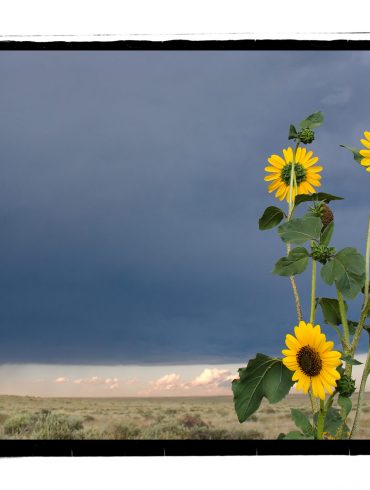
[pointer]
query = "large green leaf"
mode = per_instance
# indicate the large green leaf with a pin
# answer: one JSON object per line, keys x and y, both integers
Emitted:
{"x": 264, "y": 376}
{"x": 302, "y": 422}
{"x": 345, "y": 403}
{"x": 347, "y": 269}
{"x": 327, "y": 234}
{"x": 301, "y": 230}
{"x": 330, "y": 310}
{"x": 320, "y": 196}
{"x": 356, "y": 153}
{"x": 271, "y": 217}
{"x": 333, "y": 421}
{"x": 294, "y": 263}
{"x": 313, "y": 120}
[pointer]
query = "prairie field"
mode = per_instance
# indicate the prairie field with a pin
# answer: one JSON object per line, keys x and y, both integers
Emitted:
{"x": 210, "y": 418}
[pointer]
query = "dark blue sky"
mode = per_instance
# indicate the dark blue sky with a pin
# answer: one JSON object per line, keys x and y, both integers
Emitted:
{"x": 130, "y": 190}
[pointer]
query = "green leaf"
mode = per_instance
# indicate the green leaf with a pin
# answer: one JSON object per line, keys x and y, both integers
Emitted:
{"x": 327, "y": 234}
{"x": 352, "y": 326}
{"x": 333, "y": 421}
{"x": 330, "y": 310}
{"x": 294, "y": 434}
{"x": 345, "y": 403}
{"x": 301, "y": 230}
{"x": 271, "y": 217}
{"x": 302, "y": 422}
{"x": 347, "y": 269}
{"x": 292, "y": 132}
{"x": 313, "y": 120}
{"x": 356, "y": 153}
{"x": 349, "y": 360}
{"x": 264, "y": 376}
{"x": 320, "y": 196}
{"x": 295, "y": 263}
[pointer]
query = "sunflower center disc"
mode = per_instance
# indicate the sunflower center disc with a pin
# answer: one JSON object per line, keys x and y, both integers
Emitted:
{"x": 309, "y": 361}
{"x": 299, "y": 170}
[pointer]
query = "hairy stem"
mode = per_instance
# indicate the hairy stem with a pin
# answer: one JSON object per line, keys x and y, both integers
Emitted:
{"x": 367, "y": 261}
{"x": 320, "y": 421}
{"x": 360, "y": 398}
{"x": 366, "y": 303}
{"x": 288, "y": 247}
{"x": 313, "y": 292}
{"x": 343, "y": 316}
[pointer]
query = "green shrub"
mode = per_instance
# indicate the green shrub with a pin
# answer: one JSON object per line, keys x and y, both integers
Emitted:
{"x": 189, "y": 421}
{"x": 51, "y": 425}
{"x": 124, "y": 431}
{"x": 19, "y": 425}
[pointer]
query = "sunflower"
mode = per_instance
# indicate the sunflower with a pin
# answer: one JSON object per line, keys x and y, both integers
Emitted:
{"x": 306, "y": 174}
{"x": 312, "y": 359}
{"x": 366, "y": 153}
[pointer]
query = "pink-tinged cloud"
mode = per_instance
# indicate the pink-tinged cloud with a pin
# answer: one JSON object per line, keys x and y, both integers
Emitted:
{"x": 61, "y": 380}
{"x": 212, "y": 376}
{"x": 106, "y": 383}
{"x": 168, "y": 382}
{"x": 114, "y": 386}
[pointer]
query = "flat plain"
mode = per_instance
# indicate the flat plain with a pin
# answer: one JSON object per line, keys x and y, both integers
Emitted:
{"x": 210, "y": 418}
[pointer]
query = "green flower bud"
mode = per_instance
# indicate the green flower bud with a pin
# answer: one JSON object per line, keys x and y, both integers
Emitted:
{"x": 322, "y": 253}
{"x": 346, "y": 385}
{"x": 306, "y": 136}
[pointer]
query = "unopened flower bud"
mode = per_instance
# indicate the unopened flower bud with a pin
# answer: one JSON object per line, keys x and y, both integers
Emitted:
{"x": 306, "y": 136}
{"x": 346, "y": 385}
{"x": 322, "y": 253}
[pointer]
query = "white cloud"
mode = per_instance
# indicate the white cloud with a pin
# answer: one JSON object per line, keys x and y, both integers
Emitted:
{"x": 212, "y": 376}
{"x": 168, "y": 382}
{"x": 62, "y": 379}
{"x": 106, "y": 383}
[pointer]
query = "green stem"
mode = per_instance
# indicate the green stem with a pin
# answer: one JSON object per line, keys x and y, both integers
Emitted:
{"x": 288, "y": 247}
{"x": 361, "y": 394}
{"x": 321, "y": 421}
{"x": 313, "y": 292}
{"x": 329, "y": 403}
{"x": 364, "y": 313}
{"x": 367, "y": 261}
{"x": 343, "y": 316}
{"x": 359, "y": 328}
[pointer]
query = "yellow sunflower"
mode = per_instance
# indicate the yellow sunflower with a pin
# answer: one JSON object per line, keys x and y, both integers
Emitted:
{"x": 366, "y": 153}
{"x": 312, "y": 359}
{"x": 306, "y": 173}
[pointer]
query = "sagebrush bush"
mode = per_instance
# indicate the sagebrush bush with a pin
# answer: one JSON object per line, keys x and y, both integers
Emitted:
{"x": 43, "y": 425}
{"x": 122, "y": 430}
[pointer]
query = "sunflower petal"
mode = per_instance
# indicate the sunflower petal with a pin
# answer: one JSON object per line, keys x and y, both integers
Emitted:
{"x": 366, "y": 143}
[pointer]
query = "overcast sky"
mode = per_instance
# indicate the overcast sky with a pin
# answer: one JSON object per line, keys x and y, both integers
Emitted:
{"x": 130, "y": 190}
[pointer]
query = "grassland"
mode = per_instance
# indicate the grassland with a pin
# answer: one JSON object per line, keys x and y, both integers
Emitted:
{"x": 146, "y": 418}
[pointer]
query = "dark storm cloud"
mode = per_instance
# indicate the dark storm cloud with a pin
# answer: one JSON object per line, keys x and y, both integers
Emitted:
{"x": 131, "y": 186}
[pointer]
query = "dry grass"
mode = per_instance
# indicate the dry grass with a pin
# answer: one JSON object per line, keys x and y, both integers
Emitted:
{"x": 147, "y": 418}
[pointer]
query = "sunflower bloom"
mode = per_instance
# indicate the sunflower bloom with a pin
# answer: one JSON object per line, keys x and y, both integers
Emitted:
{"x": 366, "y": 153}
{"x": 307, "y": 174}
{"x": 312, "y": 359}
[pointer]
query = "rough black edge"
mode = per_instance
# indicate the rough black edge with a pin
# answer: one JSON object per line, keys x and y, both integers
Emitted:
{"x": 189, "y": 45}
{"x": 21, "y": 448}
